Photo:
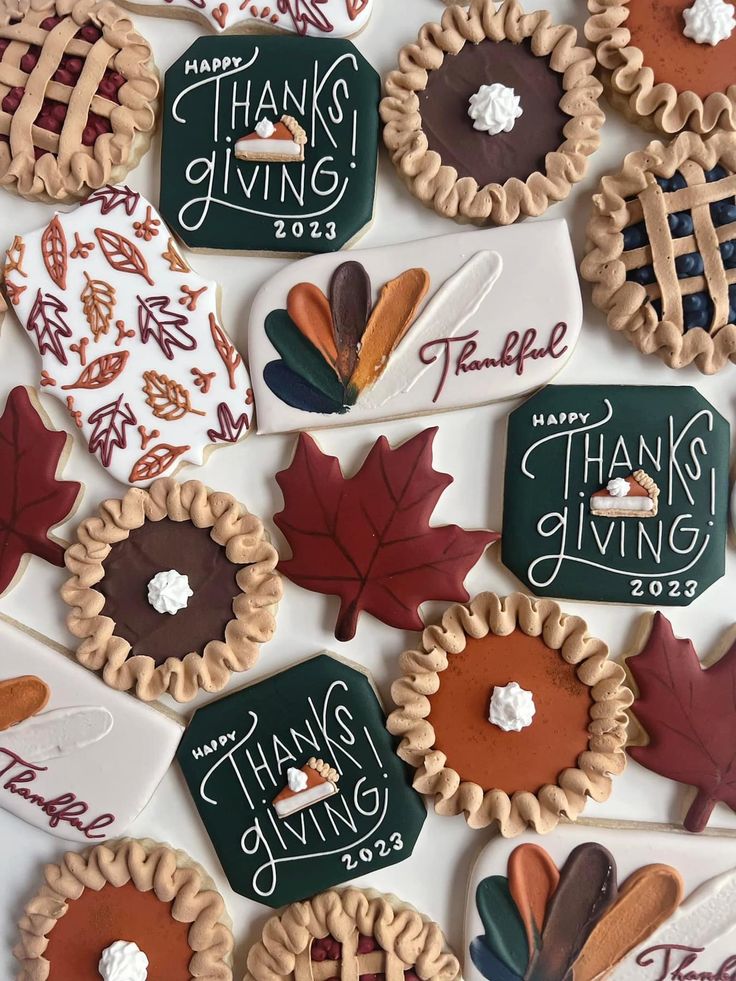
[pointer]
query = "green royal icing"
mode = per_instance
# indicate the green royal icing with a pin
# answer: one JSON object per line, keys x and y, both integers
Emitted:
{"x": 302, "y": 357}
{"x": 217, "y": 92}
{"x": 504, "y": 930}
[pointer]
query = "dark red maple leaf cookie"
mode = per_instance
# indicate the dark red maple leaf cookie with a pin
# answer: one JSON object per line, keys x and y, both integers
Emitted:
{"x": 689, "y": 714}
{"x": 367, "y": 538}
{"x": 32, "y": 500}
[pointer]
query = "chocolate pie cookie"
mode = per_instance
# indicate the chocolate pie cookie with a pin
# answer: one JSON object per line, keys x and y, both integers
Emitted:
{"x": 172, "y": 588}
{"x": 78, "y": 97}
{"x": 662, "y": 250}
{"x": 492, "y": 114}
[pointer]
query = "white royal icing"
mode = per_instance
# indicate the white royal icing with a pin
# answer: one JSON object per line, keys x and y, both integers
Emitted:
{"x": 512, "y": 707}
{"x": 495, "y": 108}
{"x": 266, "y": 148}
{"x": 265, "y": 128}
{"x": 709, "y": 21}
{"x": 169, "y": 592}
{"x": 312, "y": 18}
{"x": 129, "y": 337}
{"x": 618, "y": 487}
{"x": 86, "y": 748}
{"x": 296, "y": 779}
{"x": 123, "y": 961}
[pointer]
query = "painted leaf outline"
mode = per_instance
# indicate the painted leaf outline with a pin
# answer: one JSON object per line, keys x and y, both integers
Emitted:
{"x": 156, "y": 462}
{"x": 367, "y": 538}
{"x": 157, "y": 320}
{"x": 305, "y": 14}
{"x": 110, "y": 197}
{"x": 98, "y": 305}
{"x": 231, "y": 429}
{"x": 35, "y": 500}
{"x": 167, "y": 398}
{"x": 122, "y": 255}
{"x": 101, "y": 372}
{"x": 54, "y": 252}
{"x": 109, "y": 424}
{"x": 46, "y": 321}
{"x": 689, "y": 714}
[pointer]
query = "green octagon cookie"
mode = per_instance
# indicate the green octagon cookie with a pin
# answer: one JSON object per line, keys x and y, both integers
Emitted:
{"x": 270, "y": 144}
{"x": 298, "y": 784}
{"x": 617, "y": 494}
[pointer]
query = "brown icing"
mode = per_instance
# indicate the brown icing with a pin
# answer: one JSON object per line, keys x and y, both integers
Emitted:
{"x": 656, "y": 29}
{"x": 155, "y": 547}
{"x": 97, "y": 919}
{"x": 473, "y": 153}
{"x": 21, "y": 698}
{"x": 480, "y": 751}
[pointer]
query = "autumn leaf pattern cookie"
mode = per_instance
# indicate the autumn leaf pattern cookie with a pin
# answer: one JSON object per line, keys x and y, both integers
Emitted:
{"x": 129, "y": 336}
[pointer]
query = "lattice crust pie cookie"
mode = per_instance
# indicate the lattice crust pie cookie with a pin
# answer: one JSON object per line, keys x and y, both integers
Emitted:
{"x": 171, "y": 589}
{"x": 78, "y": 96}
{"x": 511, "y": 714}
{"x": 492, "y": 114}
{"x": 351, "y": 935}
{"x": 662, "y": 250}
{"x": 126, "y": 910}
{"x": 668, "y": 64}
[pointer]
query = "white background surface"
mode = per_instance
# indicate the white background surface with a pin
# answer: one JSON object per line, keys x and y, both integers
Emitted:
{"x": 470, "y": 446}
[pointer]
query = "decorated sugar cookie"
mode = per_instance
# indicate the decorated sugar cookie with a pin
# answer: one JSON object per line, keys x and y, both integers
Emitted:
{"x": 415, "y": 328}
{"x": 310, "y": 18}
{"x": 625, "y": 903}
{"x": 129, "y": 337}
{"x": 79, "y": 97}
{"x": 491, "y": 115}
{"x": 269, "y": 144}
{"x": 33, "y": 500}
{"x": 171, "y": 589}
{"x": 367, "y": 538}
{"x": 297, "y": 782}
{"x": 617, "y": 493}
{"x": 355, "y": 933}
{"x": 668, "y": 65}
{"x": 686, "y": 715}
{"x": 130, "y": 910}
{"x": 70, "y": 747}
{"x": 662, "y": 251}
{"x": 511, "y": 714}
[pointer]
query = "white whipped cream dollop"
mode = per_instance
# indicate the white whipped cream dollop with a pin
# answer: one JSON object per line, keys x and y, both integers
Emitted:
{"x": 265, "y": 129}
{"x": 169, "y": 592}
{"x": 123, "y": 961}
{"x": 618, "y": 487}
{"x": 512, "y": 707}
{"x": 495, "y": 108}
{"x": 296, "y": 779}
{"x": 709, "y": 21}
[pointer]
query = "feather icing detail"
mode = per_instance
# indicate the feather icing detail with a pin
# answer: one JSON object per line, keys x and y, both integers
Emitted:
{"x": 446, "y": 313}
{"x": 488, "y": 964}
{"x": 392, "y": 316}
{"x": 533, "y": 879}
{"x": 292, "y": 389}
{"x": 505, "y": 935}
{"x": 647, "y": 899}
{"x": 350, "y": 302}
{"x": 58, "y": 733}
{"x": 309, "y": 309}
{"x": 303, "y": 359}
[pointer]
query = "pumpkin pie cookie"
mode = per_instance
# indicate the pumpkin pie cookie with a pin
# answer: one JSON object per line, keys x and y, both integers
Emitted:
{"x": 171, "y": 589}
{"x": 668, "y": 64}
{"x": 662, "y": 250}
{"x": 78, "y": 97}
{"x": 511, "y": 714}
{"x": 351, "y": 934}
{"x": 492, "y": 114}
{"x": 126, "y": 910}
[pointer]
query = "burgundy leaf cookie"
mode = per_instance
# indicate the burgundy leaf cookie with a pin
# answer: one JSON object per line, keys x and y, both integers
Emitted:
{"x": 367, "y": 538}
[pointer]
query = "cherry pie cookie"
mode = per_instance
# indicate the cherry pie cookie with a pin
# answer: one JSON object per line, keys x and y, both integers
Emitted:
{"x": 78, "y": 96}
{"x": 662, "y": 250}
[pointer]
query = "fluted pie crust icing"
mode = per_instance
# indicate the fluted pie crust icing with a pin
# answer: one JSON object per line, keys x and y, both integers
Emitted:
{"x": 540, "y": 808}
{"x": 58, "y": 89}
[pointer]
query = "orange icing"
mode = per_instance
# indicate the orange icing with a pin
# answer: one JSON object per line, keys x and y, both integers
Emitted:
{"x": 21, "y": 698}
{"x": 314, "y": 779}
{"x": 656, "y": 29}
{"x": 97, "y": 919}
{"x": 635, "y": 489}
{"x": 281, "y": 132}
{"x": 310, "y": 310}
{"x": 480, "y": 751}
{"x": 533, "y": 878}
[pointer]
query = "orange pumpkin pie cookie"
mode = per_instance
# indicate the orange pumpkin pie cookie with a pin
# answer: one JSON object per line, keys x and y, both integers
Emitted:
{"x": 511, "y": 714}
{"x": 128, "y": 909}
{"x": 668, "y": 64}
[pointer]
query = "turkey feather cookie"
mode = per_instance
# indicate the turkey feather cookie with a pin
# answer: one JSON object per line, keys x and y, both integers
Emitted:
{"x": 129, "y": 337}
{"x": 78, "y": 97}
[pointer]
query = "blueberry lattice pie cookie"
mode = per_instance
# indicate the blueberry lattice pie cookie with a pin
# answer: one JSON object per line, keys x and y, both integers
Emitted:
{"x": 78, "y": 93}
{"x": 662, "y": 250}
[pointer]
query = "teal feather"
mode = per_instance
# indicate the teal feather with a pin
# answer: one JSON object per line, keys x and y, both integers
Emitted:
{"x": 302, "y": 357}
{"x": 504, "y": 929}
